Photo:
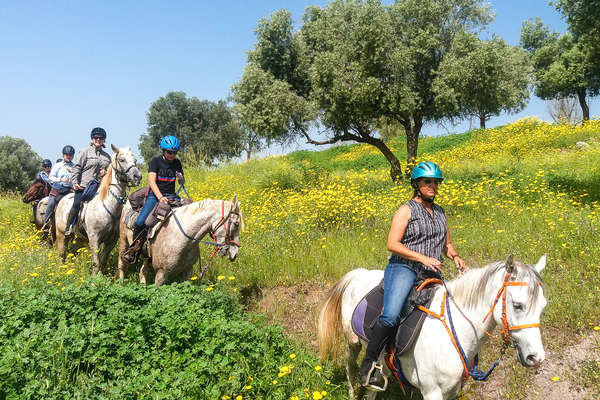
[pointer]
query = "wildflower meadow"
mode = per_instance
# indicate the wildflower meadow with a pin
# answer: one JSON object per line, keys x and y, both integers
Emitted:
{"x": 527, "y": 188}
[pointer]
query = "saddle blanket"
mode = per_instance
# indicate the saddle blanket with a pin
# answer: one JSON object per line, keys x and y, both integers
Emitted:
{"x": 411, "y": 319}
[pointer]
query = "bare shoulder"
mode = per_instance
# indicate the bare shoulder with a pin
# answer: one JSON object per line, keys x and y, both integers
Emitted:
{"x": 403, "y": 212}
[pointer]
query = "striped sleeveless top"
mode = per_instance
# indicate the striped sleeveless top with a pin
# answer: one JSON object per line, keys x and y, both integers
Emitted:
{"x": 425, "y": 234}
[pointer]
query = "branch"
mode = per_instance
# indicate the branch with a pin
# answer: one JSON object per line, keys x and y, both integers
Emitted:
{"x": 335, "y": 139}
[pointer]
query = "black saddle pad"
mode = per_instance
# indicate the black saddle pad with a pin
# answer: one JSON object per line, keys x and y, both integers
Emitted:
{"x": 411, "y": 319}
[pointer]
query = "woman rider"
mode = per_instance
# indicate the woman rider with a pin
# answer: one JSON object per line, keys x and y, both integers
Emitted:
{"x": 60, "y": 179}
{"x": 162, "y": 173}
{"x": 92, "y": 163}
{"x": 418, "y": 236}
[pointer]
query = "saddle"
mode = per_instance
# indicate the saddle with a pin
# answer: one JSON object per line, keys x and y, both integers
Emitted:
{"x": 411, "y": 318}
{"x": 155, "y": 220}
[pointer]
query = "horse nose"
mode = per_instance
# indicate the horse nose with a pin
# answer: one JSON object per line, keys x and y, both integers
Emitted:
{"x": 534, "y": 359}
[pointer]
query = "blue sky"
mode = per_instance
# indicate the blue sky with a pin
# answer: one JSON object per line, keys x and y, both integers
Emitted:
{"x": 68, "y": 66}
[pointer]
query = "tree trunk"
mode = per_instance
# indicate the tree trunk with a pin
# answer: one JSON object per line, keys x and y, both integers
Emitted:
{"x": 585, "y": 109}
{"x": 412, "y": 139}
{"x": 248, "y": 152}
{"x": 482, "y": 120}
{"x": 395, "y": 167}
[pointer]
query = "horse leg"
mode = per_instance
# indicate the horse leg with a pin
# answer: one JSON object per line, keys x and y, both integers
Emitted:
{"x": 435, "y": 393}
{"x": 94, "y": 249}
{"x": 144, "y": 271}
{"x": 159, "y": 279}
{"x": 351, "y": 367}
{"x": 60, "y": 244}
{"x": 105, "y": 252}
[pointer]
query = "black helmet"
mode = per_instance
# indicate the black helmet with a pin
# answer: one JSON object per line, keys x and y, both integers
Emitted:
{"x": 98, "y": 132}
{"x": 46, "y": 163}
{"x": 68, "y": 149}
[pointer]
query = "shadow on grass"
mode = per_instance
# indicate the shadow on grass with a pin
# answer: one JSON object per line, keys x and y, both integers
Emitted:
{"x": 574, "y": 185}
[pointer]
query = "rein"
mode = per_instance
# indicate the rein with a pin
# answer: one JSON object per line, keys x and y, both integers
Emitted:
{"x": 473, "y": 371}
{"x": 212, "y": 234}
{"x": 212, "y": 231}
{"x": 120, "y": 175}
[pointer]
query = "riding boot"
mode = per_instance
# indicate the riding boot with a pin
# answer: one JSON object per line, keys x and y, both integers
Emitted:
{"x": 371, "y": 375}
{"x": 131, "y": 255}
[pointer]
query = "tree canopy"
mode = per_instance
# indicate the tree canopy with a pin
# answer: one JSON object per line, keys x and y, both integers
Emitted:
{"x": 21, "y": 164}
{"x": 583, "y": 17}
{"x": 349, "y": 65}
{"x": 563, "y": 66}
{"x": 483, "y": 78}
{"x": 208, "y": 131}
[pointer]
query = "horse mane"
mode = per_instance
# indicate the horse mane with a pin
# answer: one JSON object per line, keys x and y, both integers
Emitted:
{"x": 196, "y": 206}
{"x": 105, "y": 184}
{"x": 193, "y": 207}
{"x": 470, "y": 288}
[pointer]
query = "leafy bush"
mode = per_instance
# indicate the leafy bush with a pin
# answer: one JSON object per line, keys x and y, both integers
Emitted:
{"x": 21, "y": 164}
{"x": 101, "y": 340}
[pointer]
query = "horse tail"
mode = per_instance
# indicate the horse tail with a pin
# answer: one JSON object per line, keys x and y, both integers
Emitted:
{"x": 329, "y": 324}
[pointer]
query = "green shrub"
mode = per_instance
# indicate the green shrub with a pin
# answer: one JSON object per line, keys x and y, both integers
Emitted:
{"x": 101, "y": 340}
{"x": 21, "y": 164}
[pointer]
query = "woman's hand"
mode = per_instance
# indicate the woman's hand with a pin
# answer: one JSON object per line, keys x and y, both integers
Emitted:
{"x": 77, "y": 187}
{"x": 460, "y": 263}
{"x": 431, "y": 263}
{"x": 164, "y": 199}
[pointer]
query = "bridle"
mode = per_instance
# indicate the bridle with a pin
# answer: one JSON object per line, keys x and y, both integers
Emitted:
{"x": 474, "y": 371}
{"x": 224, "y": 222}
{"x": 506, "y": 328}
{"x": 122, "y": 179}
{"x": 122, "y": 175}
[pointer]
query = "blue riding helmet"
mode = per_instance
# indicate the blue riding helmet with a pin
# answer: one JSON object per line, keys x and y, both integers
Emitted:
{"x": 46, "y": 163}
{"x": 426, "y": 169}
{"x": 169, "y": 143}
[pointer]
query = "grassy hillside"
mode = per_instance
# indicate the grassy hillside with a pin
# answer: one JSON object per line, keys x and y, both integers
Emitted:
{"x": 524, "y": 189}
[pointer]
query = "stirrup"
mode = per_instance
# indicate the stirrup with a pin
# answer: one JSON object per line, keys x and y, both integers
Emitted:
{"x": 371, "y": 386}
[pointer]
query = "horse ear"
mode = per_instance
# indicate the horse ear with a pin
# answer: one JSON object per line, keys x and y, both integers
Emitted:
{"x": 509, "y": 264}
{"x": 234, "y": 203}
{"x": 541, "y": 264}
{"x": 115, "y": 149}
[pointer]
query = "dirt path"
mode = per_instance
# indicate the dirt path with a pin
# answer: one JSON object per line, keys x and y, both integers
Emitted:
{"x": 561, "y": 376}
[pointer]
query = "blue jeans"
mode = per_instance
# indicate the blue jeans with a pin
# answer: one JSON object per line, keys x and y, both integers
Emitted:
{"x": 151, "y": 201}
{"x": 398, "y": 280}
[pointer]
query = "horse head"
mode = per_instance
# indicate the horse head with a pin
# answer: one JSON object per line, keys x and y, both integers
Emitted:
{"x": 124, "y": 166}
{"x": 36, "y": 191}
{"x": 227, "y": 232}
{"x": 522, "y": 304}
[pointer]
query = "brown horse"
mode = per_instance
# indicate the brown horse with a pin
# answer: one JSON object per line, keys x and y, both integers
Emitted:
{"x": 37, "y": 191}
{"x": 36, "y": 194}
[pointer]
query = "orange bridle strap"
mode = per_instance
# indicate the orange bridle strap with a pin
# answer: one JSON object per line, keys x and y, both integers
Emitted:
{"x": 505, "y": 331}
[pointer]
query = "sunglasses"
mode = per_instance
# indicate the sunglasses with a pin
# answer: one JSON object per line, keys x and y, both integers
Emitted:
{"x": 97, "y": 138}
{"x": 430, "y": 181}
{"x": 171, "y": 151}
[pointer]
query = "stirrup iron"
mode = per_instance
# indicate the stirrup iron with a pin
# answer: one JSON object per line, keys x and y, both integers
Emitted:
{"x": 368, "y": 385}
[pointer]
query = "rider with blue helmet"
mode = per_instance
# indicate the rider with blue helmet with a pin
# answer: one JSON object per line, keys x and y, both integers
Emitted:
{"x": 418, "y": 236}
{"x": 163, "y": 171}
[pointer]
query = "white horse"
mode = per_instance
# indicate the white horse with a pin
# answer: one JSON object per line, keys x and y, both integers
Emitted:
{"x": 433, "y": 364}
{"x": 100, "y": 216}
{"x": 174, "y": 249}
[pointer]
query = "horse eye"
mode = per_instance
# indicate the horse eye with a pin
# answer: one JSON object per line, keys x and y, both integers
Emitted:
{"x": 519, "y": 306}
